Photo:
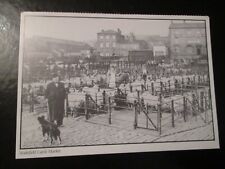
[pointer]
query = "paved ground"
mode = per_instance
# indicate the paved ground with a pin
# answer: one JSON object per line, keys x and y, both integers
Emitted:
{"x": 97, "y": 130}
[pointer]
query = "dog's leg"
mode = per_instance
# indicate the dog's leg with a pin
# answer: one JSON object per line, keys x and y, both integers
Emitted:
{"x": 48, "y": 136}
{"x": 44, "y": 139}
{"x": 51, "y": 140}
{"x": 60, "y": 141}
{"x": 51, "y": 136}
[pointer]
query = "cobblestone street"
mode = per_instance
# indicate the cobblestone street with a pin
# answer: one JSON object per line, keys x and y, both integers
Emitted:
{"x": 97, "y": 130}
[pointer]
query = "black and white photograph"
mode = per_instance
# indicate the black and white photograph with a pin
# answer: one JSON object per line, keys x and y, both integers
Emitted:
{"x": 113, "y": 83}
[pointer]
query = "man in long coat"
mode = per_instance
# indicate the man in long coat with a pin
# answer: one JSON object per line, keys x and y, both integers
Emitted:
{"x": 56, "y": 94}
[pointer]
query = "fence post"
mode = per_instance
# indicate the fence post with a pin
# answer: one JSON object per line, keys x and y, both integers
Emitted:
{"x": 194, "y": 80}
{"x": 146, "y": 115}
{"x": 131, "y": 90}
{"x": 135, "y": 114}
{"x": 161, "y": 87}
{"x": 169, "y": 86}
{"x": 159, "y": 119}
{"x": 160, "y": 102}
{"x": 66, "y": 107}
{"x": 110, "y": 112}
{"x": 206, "y": 116}
{"x": 198, "y": 102}
{"x": 202, "y": 101}
{"x": 199, "y": 79}
{"x": 193, "y": 106}
{"x": 209, "y": 98}
{"x": 139, "y": 103}
{"x": 172, "y": 113}
{"x": 184, "y": 112}
{"x": 96, "y": 102}
{"x": 182, "y": 86}
{"x": 85, "y": 107}
{"x": 152, "y": 87}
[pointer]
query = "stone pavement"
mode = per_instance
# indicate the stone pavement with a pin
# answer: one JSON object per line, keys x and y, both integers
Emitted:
{"x": 97, "y": 130}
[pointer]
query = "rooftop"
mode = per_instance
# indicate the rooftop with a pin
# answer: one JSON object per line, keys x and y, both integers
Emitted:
{"x": 110, "y": 31}
{"x": 186, "y": 25}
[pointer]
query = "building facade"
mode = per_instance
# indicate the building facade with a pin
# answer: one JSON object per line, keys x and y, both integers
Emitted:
{"x": 160, "y": 50}
{"x": 187, "y": 41}
{"x": 111, "y": 43}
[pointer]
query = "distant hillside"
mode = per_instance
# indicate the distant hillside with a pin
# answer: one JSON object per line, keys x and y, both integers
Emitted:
{"x": 48, "y": 45}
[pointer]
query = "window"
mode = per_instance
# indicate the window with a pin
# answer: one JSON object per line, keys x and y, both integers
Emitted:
{"x": 176, "y": 41}
{"x": 198, "y": 33}
{"x": 107, "y": 44}
{"x": 189, "y": 33}
{"x": 101, "y": 37}
{"x": 190, "y": 49}
{"x": 176, "y": 49}
{"x": 113, "y": 36}
{"x": 114, "y": 44}
{"x": 199, "y": 50}
{"x": 107, "y": 37}
{"x": 101, "y": 45}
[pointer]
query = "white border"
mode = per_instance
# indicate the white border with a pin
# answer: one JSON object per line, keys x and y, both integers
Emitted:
{"x": 111, "y": 149}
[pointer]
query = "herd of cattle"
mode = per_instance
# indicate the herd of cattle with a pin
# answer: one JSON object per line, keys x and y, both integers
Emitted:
{"x": 150, "y": 92}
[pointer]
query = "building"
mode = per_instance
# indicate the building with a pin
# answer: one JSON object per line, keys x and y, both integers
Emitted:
{"x": 187, "y": 41}
{"x": 111, "y": 43}
{"x": 140, "y": 56}
{"x": 160, "y": 51}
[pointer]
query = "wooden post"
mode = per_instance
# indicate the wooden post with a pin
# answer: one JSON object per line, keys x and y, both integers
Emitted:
{"x": 145, "y": 85}
{"x": 184, "y": 111}
{"x": 96, "y": 102}
{"x": 161, "y": 87}
{"x": 202, "y": 101}
{"x": 131, "y": 88}
{"x": 206, "y": 116}
{"x": 193, "y": 106}
{"x": 66, "y": 107}
{"x": 209, "y": 98}
{"x": 135, "y": 114}
{"x": 110, "y": 111}
{"x": 85, "y": 107}
{"x": 139, "y": 102}
{"x": 159, "y": 119}
{"x": 169, "y": 87}
{"x": 160, "y": 102}
{"x": 182, "y": 86}
{"x": 172, "y": 113}
{"x": 194, "y": 80}
{"x": 147, "y": 115}
{"x": 198, "y": 101}
{"x": 152, "y": 87}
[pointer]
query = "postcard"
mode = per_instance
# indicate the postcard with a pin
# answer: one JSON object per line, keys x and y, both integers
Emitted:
{"x": 114, "y": 83}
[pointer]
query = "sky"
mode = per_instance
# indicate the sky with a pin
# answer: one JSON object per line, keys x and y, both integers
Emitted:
{"x": 85, "y": 29}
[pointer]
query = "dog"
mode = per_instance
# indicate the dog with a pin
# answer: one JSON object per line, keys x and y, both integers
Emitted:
{"x": 49, "y": 129}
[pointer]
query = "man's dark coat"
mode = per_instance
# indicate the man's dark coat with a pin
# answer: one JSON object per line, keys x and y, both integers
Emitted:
{"x": 56, "y": 96}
